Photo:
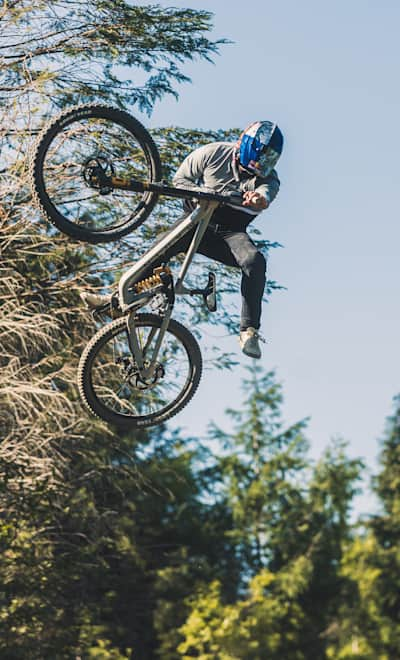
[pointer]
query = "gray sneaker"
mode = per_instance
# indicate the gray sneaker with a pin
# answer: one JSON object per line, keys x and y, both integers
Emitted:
{"x": 94, "y": 300}
{"x": 98, "y": 304}
{"x": 249, "y": 342}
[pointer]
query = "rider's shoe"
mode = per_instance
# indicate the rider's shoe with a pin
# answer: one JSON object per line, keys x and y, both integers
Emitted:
{"x": 249, "y": 342}
{"x": 96, "y": 301}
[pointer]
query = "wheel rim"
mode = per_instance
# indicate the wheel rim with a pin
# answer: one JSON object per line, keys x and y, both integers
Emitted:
{"x": 64, "y": 168}
{"x": 116, "y": 387}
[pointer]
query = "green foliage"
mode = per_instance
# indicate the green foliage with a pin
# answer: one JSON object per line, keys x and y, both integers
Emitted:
{"x": 387, "y": 484}
{"x": 289, "y": 525}
{"x": 97, "y": 527}
{"x": 85, "y": 566}
{"x": 368, "y": 626}
{"x": 61, "y": 52}
{"x": 117, "y": 546}
{"x": 260, "y": 468}
{"x": 253, "y": 627}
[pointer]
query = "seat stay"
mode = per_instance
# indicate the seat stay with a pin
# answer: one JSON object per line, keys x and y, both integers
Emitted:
{"x": 201, "y": 217}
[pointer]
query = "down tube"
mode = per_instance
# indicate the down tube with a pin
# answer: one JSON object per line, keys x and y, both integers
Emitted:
{"x": 134, "y": 273}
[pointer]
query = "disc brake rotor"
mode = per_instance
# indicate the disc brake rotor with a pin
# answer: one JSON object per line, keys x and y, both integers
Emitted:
{"x": 133, "y": 377}
{"x": 96, "y": 170}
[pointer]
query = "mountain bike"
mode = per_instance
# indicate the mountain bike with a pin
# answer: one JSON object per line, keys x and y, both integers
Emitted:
{"x": 95, "y": 174}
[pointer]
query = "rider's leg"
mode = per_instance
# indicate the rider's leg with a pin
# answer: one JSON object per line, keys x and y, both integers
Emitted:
{"x": 253, "y": 265}
{"x": 237, "y": 249}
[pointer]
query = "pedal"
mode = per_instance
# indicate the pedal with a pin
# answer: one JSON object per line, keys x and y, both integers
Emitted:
{"x": 210, "y": 293}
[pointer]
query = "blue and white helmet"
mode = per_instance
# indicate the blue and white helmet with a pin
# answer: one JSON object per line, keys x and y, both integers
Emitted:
{"x": 259, "y": 147}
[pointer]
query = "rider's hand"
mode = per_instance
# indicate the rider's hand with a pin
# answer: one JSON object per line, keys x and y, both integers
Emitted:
{"x": 255, "y": 200}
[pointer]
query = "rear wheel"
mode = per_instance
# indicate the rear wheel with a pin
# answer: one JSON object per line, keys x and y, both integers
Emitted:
{"x": 108, "y": 377}
{"x": 68, "y": 147}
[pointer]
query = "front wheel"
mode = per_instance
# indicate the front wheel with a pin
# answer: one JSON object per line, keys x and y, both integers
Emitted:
{"x": 74, "y": 142}
{"x": 108, "y": 378}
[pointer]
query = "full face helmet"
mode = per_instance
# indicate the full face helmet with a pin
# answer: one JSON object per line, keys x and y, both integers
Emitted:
{"x": 259, "y": 147}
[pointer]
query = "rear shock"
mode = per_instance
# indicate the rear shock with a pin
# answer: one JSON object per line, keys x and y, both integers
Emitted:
{"x": 154, "y": 280}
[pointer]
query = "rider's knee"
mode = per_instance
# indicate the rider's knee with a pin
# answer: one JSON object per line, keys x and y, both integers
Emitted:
{"x": 254, "y": 264}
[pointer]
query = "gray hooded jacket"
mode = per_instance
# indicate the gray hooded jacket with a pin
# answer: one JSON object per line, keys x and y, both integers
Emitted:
{"x": 213, "y": 168}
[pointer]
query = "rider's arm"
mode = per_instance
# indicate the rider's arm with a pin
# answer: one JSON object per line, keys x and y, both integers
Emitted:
{"x": 192, "y": 169}
{"x": 260, "y": 197}
{"x": 269, "y": 187}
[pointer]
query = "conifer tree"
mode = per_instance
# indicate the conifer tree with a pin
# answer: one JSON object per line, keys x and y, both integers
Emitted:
{"x": 103, "y": 535}
{"x": 368, "y": 625}
{"x": 78, "y": 543}
{"x": 260, "y": 472}
{"x": 289, "y": 524}
{"x": 58, "y": 52}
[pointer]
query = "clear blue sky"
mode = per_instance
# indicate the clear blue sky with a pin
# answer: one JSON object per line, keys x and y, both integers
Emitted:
{"x": 328, "y": 73}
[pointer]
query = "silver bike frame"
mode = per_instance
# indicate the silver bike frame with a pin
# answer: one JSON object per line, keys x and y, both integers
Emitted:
{"x": 201, "y": 217}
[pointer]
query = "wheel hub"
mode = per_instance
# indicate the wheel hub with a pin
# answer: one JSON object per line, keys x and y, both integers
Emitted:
{"x": 133, "y": 376}
{"x": 97, "y": 170}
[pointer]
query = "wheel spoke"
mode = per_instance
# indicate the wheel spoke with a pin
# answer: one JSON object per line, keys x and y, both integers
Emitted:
{"x": 117, "y": 384}
{"x": 64, "y": 167}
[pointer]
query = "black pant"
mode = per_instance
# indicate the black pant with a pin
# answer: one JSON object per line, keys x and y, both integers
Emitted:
{"x": 232, "y": 248}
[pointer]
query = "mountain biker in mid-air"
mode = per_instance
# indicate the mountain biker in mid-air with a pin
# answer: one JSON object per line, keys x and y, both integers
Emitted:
{"x": 245, "y": 167}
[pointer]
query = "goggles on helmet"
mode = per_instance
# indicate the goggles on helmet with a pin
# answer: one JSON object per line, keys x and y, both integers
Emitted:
{"x": 259, "y": 147}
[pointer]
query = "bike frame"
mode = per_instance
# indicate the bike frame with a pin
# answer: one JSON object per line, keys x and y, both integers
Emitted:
{"x": 201, "y": 215}
{"x": 199, "y": 218}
